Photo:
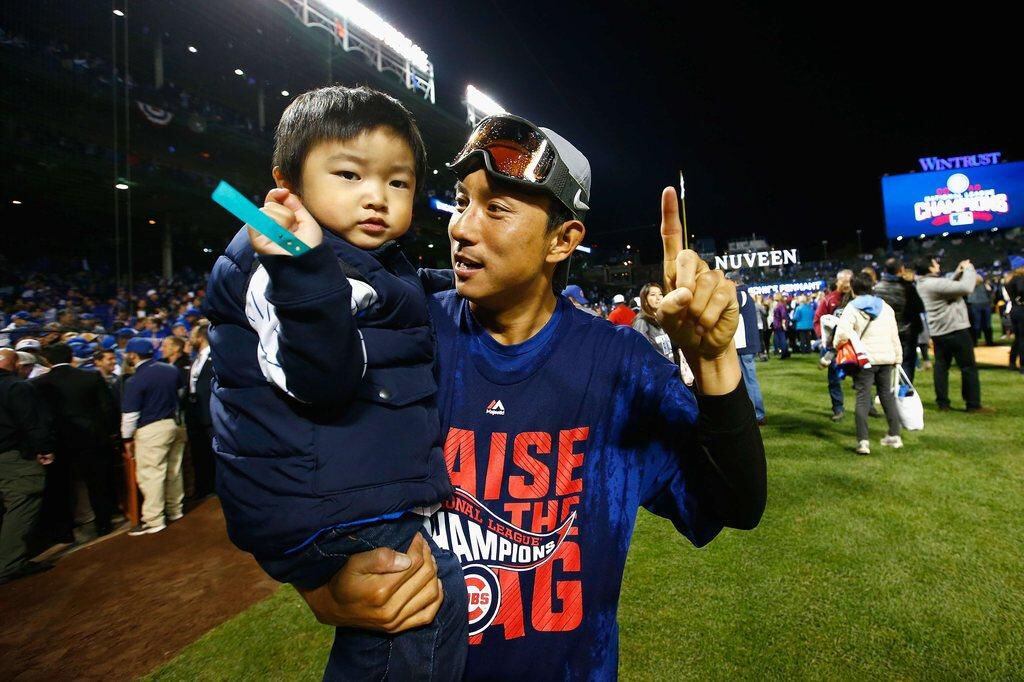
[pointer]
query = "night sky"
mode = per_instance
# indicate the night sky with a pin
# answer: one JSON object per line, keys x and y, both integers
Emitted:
{"x": 783, "y": 118}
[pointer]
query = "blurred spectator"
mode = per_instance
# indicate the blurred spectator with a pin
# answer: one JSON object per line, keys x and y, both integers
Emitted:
{"x": 85, "y": 424}
{"x": 197, "y": 411}
{"x": 947, "y": 321}
{"x": 803, "y": 320}
{"x": 26, "y": 447}
{"x": 621, "y": 314}
{"x": 780, "y": 325}
{"x": 1015, "y": 294}
{"x": 748, "y": 346}
{"x": 152, "y": 437}
{"x": 897, "y": 289}
{"x": 830, "y": 305}
{"x": 980, "y": 302}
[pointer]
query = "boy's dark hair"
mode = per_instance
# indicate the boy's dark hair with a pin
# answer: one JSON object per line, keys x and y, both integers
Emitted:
{"x": 340, "y": 113}
{"x": 893, "y": 266}
{"x": 98, "y": 355}
{"x": 57, "y": 353}
{"x": 861, "y": 283}
{"x": 923, "y": 264}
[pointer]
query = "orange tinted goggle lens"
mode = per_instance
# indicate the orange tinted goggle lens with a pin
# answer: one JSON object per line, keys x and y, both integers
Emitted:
{"x": 517, "y": 150}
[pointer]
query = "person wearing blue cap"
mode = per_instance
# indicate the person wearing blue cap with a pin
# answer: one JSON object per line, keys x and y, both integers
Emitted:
{"x": 574, "y": 293}
{"x": 153, "y": 437}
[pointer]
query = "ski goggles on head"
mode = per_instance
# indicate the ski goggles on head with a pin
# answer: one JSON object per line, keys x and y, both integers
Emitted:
{"x": 515, "y": 150}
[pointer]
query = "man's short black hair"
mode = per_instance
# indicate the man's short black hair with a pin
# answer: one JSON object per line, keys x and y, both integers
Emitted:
{"x": 57, "y": 353}
{"x": 861, "y": 283}
{"x": 98, "y": 355}
{"x": 177, "y": 342}
{"x": 893, "y": 266}
{"x": 923, "y": 264}
{"x": 340, "y": 113}
{"x": 559, "y": 213}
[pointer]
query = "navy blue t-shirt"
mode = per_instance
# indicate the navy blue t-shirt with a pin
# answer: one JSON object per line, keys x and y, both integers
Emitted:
{"x": 552, "y": 454}
{"x": 153, "y": 392}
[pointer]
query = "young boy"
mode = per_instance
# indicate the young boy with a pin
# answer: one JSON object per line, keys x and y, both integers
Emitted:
{"x": 327, "y": 431}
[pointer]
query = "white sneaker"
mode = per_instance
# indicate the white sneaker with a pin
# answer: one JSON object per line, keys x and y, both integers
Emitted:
{"x": 143, "y": 529}
{"x": 863, "y": 448}
{"x": 173, "y": 518}
{"x": 894, "y": 442}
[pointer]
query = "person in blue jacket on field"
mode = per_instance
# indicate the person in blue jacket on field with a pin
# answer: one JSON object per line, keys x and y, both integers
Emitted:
{"x": 803, "y": 321}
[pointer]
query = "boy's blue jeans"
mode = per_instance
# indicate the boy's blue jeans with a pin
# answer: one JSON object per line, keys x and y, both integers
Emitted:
{"x": 433, "y": 652}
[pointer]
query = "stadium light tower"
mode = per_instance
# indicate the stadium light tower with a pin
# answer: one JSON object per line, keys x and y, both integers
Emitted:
{"x": 479, "y": 105}
{"x": 357, "y": 28}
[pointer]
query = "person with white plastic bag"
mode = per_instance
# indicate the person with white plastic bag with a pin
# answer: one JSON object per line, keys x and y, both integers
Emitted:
{"x": 871, "y": 320}
{"x": 908, "y": 401}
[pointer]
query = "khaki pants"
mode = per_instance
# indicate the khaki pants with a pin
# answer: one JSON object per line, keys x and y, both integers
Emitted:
{"x": 158, "y": 452}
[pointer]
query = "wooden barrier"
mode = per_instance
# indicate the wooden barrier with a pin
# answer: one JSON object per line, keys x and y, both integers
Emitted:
{"x": 131, "y": 490}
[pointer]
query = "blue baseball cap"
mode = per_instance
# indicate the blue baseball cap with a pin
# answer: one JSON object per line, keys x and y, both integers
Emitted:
{"x": 574, "y": 291}
{"x": 126, "y": 331}
{"x": 21, "y": 315}
{"x": 193, "y": 311}
{"x": 83, "y": 350}
{"x": 108, "y": 342}
{"x": 140, "y": 346}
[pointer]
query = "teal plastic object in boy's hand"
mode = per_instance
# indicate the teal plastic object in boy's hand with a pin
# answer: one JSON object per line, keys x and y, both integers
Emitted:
{"x": 237, "y": 205}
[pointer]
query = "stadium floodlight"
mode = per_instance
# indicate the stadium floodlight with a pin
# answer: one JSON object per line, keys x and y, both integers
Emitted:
{"x": 121, "y": 186}
{"x": 945, "y": 234}
{"x": 239, "y": 72}
{"x": 118, "y": 13}
{"x": 584, "y": 249}
{"x": 15, "y": 202}
{"x": 439, "y": 205}
{"x": 354, "y": 27}
{"x": 899, "y": 238}
{"x": 368, "y": 20}
{"x": 192, "y": 49}
{"x": 284, "y": 93}
{"x": 480, "y": 105}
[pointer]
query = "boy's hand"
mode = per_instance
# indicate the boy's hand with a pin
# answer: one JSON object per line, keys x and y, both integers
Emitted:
{"x": 285, "y": 209}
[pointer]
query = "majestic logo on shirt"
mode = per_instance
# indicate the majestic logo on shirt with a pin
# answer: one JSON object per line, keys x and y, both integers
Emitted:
{"x": 496, "y": 408}
{"x": 514, "y": 528}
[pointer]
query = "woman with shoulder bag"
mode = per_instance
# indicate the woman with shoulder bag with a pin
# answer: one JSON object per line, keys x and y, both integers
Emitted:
{"x": 873, "y": 320}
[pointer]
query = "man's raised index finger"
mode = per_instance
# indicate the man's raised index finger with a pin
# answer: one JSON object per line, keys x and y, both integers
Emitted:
{"x": 671, "y": 228}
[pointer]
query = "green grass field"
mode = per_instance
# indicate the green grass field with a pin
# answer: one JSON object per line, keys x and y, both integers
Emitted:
{"x": 905, "y": 564}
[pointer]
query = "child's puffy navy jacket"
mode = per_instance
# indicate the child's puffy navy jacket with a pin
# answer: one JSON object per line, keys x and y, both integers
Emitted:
{"x": 324, "y": 392}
